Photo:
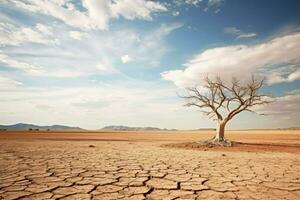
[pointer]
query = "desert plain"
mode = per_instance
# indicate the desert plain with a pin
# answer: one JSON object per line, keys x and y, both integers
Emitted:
{"x": 149, "y": 165}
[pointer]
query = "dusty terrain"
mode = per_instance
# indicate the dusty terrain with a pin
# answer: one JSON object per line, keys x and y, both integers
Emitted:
{"x": 134, "y": 165}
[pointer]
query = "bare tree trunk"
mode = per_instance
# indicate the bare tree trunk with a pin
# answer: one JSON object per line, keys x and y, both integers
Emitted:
{"x": 219, "y": 137}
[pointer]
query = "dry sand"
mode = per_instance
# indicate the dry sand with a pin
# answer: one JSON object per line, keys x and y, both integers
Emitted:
{"x": 136, "y": 165}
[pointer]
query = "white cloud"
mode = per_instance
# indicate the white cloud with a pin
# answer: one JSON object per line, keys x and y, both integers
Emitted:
{"x": 99, "y": 53}
{"x": 146, "y": 47}
{"x": 195, "y": 3}
{"x": 24, "y": 66}
{"x": 292, "y": 92}
{"x": 175, "y": 13}
{"x": 279, "y": 77}
{"x": 96, "y": 13}
{"x": 102, "y": 67}
{"x": 283, "y": 106}
{"x": 44, "y": 29}
{"x": 136, "y": 9}
{"x": 106, "y": 66}
{"x": 77, "y": 35}
{"x": 8, "y": 83}
{"x": 61, "y": 73}
{"x": 35, "y": 70}
{"x": 216, "y": 4}
{"x": 240, "y": 61}
{"x": 126, "y": 58}
{"x": 238, "y": 33}
{"x": 152, "y": 46}
{"x": 294, "y": 76}
{"x": 14, "y": 35}
{"x": 247, "y": 35}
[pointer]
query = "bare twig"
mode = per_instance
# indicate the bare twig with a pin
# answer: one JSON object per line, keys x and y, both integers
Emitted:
{"x": 233, "y": 97}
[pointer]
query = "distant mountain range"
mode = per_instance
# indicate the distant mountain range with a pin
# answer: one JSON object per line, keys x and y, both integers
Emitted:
{"x": 128, "y": 128}
{"x": 32, "y": 127}
{"x": 291, "y": 128}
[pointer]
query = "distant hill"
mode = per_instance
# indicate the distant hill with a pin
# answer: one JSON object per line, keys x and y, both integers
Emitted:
{"x": 128, "y": 128}
{"x": 32, "y": 127}
{"x": 291, "y": 128}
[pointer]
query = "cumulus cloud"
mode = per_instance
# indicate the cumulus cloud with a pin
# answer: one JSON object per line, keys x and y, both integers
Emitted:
{"x": 240, "y": 61}
{"x": 94, "y": 14}
{"x": 281, "y": 77}
{"x": 126, "y": 58}
{"x": 15, "y": 35}
{"x": 136, "y": 9}
{"x": 77, "y": 35}
{"x": 99, "y": 53}
{"x": 239, "y": 33}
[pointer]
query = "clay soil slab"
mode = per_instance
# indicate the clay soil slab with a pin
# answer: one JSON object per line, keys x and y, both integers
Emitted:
{"x": 239, "y": 147}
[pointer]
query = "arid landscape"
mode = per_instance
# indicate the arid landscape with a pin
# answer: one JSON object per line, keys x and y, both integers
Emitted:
{"x": 149, "y": 165}
{"x": 149, "y": 99}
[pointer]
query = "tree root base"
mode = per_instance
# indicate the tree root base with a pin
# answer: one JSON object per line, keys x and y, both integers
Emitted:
{"x": 219, "y": 142}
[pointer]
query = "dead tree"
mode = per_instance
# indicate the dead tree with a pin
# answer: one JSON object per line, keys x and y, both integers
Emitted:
{"x": 221, "y": 101}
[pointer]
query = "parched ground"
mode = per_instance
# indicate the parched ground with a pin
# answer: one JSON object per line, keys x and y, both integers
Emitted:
{"x": 136, "y": 166}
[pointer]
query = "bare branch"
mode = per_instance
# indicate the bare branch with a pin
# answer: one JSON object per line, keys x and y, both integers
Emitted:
{"x": 232, "y": 98}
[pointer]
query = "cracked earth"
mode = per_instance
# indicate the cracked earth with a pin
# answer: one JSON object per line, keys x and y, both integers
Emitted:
{"x": 141, "y": 170}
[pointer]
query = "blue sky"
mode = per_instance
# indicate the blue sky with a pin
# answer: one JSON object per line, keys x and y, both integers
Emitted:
{"x": 93, "y": 63}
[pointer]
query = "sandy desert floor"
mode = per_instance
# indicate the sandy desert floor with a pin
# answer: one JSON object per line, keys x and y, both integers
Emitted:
{"x": 134, "y": 165}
